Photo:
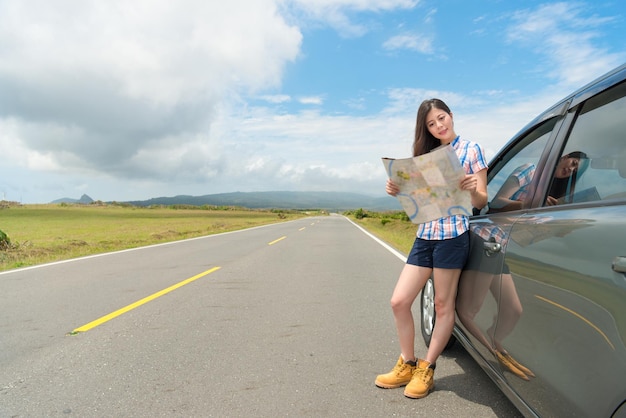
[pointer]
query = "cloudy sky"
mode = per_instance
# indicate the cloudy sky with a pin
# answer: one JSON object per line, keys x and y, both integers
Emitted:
{"x": 129, "y": 100}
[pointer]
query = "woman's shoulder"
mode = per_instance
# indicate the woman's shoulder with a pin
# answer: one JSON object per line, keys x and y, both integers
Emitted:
{"x": 469, "y": 146}
{"x": 467, "y": 143}
{"x": 471, "y": 142}
{"x": 471, "y": 154}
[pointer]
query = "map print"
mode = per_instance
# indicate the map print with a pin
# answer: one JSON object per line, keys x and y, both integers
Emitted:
{"x": 429, "y": 185}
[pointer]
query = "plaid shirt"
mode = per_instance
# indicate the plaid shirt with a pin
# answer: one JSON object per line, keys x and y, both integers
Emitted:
{"x": 524, "y": 175}
{"x": 472, "y": 159}
{"x": 488, "y": 231}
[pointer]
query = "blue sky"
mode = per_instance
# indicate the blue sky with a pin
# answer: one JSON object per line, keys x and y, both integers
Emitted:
{"x": 133, "y": 100}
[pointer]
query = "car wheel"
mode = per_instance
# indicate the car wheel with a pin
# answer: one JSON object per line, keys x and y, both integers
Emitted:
{"x": 428, "y": 316}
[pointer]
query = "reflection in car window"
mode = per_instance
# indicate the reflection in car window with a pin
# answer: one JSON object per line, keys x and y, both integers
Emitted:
{"x": 600, "y": 132}
{"x": 567, "y": 173}
{"x": 511, "y": 179}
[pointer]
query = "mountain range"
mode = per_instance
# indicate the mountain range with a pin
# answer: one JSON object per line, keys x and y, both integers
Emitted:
{"x": 332, "y": 201}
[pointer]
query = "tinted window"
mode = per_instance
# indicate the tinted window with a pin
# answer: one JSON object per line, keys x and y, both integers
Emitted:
{"x": 600, "y": 132}
{"x": 512, "y": 181}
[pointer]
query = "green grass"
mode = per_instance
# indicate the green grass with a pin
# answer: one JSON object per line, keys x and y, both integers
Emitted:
{"x": 394, "y": 228}
{"x": 45, "y": 233}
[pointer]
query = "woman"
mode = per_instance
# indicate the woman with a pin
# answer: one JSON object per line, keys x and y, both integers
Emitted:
{"x": 441, "y": 248}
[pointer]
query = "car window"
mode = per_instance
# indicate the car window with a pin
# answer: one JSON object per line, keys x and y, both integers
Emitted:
{"x": 511, "y": 179}
{"x": 598, "y": 136}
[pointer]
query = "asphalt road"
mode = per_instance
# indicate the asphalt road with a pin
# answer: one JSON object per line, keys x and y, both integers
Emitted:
{"x": 291, "y": 319}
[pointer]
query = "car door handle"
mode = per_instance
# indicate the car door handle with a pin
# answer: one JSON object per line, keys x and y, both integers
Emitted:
{"x": 619, "y": 264}
{"x": 492, "y": 247}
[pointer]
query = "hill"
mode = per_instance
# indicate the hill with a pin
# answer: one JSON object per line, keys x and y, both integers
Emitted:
{"x": 333, "y": 201}
{"x": 84, "y": 199}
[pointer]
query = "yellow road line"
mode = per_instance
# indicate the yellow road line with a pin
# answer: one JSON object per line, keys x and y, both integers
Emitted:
{"x": 145, "y": 300}
{"x": 302, "y": 229}
{"x": 579, "y": 316}
{"x": 276, "y": 240}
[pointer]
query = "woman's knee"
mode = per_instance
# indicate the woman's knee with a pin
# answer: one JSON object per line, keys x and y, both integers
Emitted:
{"x": 444, "y": 307}
{"x": 399, "y": 304}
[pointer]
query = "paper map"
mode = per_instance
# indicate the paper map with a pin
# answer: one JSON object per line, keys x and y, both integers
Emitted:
{"x": 429, "y": 185}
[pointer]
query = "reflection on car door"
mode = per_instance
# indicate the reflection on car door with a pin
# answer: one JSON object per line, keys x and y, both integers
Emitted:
{"x": 487, "y": 303}
{"x": 571, "y": 331}
{"x": 488, "y": 306}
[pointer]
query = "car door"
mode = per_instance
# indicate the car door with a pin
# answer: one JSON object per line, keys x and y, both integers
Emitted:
{"x": 487, "y": 305}
{"x": 566, "y": 262}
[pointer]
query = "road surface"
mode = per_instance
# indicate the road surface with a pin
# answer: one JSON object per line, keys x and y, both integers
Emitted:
{"x": 291, "y": 319}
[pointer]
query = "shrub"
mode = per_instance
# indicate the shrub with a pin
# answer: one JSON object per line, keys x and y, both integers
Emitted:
{"x": 5, "y": 241}
{"x": 360, "y": 214}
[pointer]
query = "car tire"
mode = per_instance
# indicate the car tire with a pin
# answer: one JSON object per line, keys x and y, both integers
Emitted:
{"x": 428, "y": 316}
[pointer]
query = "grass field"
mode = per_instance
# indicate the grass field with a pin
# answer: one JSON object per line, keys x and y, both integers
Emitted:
{"x": 45, "y": 233}
{"x": 398, "y": 233}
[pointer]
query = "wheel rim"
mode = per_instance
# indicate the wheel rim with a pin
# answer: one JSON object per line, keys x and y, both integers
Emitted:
{"x": 428, "y": 307}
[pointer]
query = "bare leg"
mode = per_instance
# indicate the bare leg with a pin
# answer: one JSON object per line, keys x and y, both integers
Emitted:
{"x": 411, "y": 281}
{"x": 446, "y": 282}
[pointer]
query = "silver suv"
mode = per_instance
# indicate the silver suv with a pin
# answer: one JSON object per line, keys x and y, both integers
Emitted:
{"x": 541, "y": 304}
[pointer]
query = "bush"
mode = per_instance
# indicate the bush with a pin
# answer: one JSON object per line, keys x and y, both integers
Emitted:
{"x": 360, "y": 214}
{"x": 5, "y": 241}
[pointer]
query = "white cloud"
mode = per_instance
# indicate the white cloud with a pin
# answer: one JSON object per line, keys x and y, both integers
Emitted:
{"x": 112, "y": 86}
{"x": 410, "y": 41}
{"x": 430, "y": 16}
{"x": 311, "y": 100}
{"x": 336, "y": 13}
{"x": 149, "y": 50}
{"x": 563, "y": 34}
{"x": 276, "y": 98}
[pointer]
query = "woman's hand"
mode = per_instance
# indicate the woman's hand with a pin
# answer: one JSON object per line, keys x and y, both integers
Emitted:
{"x": 551, "y": 201}
{"x": 469, "y": 183}
{"x": 476, "y": 184}
{"x": 392, "y": 188}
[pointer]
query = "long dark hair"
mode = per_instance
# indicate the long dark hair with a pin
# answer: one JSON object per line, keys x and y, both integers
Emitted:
{"x": 424, "y": 141}
{"x": 566, "y": 187}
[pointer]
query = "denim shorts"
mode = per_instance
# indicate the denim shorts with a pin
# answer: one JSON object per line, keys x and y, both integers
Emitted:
{"x": 445, "y": 254}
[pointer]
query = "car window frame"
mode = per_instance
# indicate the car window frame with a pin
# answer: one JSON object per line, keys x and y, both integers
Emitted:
{"x": 552, "y": 154}
{"x": 540, "y": 185}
